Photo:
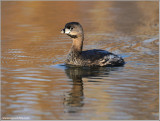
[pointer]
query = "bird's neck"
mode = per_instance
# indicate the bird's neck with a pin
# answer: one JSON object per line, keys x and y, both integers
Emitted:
{"x": 77, "y": 44}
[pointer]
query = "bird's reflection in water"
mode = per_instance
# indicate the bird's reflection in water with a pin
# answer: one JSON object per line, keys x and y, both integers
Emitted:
{"x": 74, "y": 99}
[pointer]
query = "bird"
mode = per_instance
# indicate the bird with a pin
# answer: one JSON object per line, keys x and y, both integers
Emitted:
{"x": 89, "y": 58}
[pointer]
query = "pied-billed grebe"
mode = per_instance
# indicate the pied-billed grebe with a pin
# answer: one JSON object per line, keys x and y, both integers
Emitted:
{"x": 94, "y": 57}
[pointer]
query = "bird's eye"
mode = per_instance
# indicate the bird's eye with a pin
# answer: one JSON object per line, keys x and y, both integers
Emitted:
{"x": 71, "y": 28}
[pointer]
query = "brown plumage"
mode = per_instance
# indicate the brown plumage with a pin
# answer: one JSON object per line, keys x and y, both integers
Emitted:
{"x": 94, "y": 57}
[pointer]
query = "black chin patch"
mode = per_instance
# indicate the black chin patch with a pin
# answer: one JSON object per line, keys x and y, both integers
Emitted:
{"x": 72, "y": 36}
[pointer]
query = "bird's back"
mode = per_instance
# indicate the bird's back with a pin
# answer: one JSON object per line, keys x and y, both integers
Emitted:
{"x": 96, "y": 57}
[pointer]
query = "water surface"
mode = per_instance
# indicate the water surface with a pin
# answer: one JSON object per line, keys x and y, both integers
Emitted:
{"x": 36, "y": 84}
